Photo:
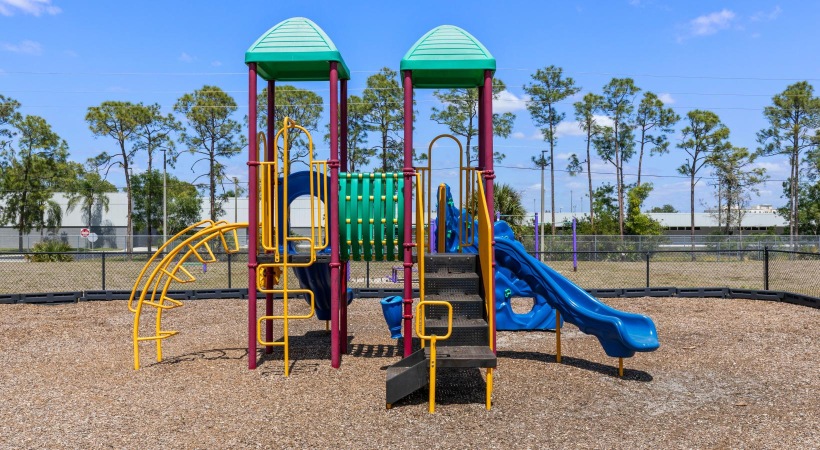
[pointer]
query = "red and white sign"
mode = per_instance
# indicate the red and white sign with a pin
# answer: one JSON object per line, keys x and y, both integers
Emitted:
{"x": 85, "y": 232}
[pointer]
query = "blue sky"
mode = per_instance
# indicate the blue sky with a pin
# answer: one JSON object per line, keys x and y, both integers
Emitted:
{"x": 59, "y": 57}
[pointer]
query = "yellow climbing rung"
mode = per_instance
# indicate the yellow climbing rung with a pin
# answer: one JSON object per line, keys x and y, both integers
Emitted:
{"x": 173, "y": 303}
{"x": 161, "y": 335}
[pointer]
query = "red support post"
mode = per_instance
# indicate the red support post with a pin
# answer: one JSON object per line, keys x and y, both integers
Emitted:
{"x": 486, "y": 129}
{"x": 480, "y": 163}
{"x": 253, "y": 214}
{"x": 343, "y": 125}
{"x": 344, "y": 268}
{"x": 335, "y": 265}
{"x": 409, "y": 173}
{"x": 270, "y": 153}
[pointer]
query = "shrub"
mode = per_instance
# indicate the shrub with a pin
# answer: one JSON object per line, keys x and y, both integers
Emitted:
{"x": 44, "y": 251}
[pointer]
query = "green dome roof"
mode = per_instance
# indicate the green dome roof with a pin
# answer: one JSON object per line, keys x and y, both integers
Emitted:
{"x": 295, "y": 49}
{"x": 448, "y": 57}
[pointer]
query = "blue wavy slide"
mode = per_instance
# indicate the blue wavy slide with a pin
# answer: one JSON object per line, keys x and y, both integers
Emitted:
{"x": 620, "y": 333}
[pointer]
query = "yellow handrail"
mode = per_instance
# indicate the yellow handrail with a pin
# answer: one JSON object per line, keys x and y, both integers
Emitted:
{"x": 433, "y": 338}
{"x": 485, "y": 252}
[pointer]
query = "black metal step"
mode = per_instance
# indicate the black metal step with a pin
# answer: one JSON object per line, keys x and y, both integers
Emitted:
{"x": 450, "y": 263}
{"x": 463, "y": 356}
{"x": 468, "y": 306}
{"x": 466, "y": 332}
{"x": 451, "y": 283}
{"x": 407, "y": 376}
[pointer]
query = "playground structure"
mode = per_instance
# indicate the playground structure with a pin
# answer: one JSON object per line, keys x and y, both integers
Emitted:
{"x": 468, "y": 268}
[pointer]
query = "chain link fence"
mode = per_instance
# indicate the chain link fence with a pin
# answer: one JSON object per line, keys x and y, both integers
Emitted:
{"x": 720, "y": 243}
{"x": 761, "y": 269}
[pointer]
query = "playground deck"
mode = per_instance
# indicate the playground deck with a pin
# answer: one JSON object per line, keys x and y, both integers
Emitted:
{"x": 729, "y": 373}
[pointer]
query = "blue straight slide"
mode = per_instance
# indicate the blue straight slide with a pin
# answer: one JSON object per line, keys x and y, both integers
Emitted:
{"x": 620, "y": 333}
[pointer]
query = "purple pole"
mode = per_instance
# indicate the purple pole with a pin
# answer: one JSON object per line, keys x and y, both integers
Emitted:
{"x": 344, "y": 168}
{"x": 486, "y": 128}
{"x": 497, "y": 216}
{"x": 409, "y": 173}
{"x": 335, "y": 264}
{"x": 253, "y": 215}
{"x": 574, "y": 247}
{"x": 536, "y": 237}
{"x": 481, "y": 162}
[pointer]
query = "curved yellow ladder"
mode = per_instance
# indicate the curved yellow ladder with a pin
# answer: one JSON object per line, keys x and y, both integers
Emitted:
{"x": 170, "y": 269}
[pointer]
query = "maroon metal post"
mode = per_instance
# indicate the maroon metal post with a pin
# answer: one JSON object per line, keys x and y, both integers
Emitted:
{"x": 408, "y": 213}
{"x": 335, "y": 265}
{"x": 480, "y": 162}
{"x": 486, "y": 129}
{"x": 270, "y": 154}
{"x": 343, "y": 125}
{"x": 253, "y": 215}
{"x": 343, "y": 151}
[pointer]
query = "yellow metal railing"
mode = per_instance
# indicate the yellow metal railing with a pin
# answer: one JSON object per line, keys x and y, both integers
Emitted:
{"x": 273, "y": 235}
{"x": 465, "y": 192}
{"x": 170, "y": 269}
{"x": 485, "y": 256}
{"x": 433, "y": 338}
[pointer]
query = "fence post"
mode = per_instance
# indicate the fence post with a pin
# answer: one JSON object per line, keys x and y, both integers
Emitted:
{"x": 647, "y": 269}
{"x": 103, "y": 270}
{"x": 367, "y": 274}
{"x": 766, "y": 268}
{"x": 229, "y": 271}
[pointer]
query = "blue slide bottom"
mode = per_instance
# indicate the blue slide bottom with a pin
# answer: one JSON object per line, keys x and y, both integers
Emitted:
{"x": 621, "y": 334}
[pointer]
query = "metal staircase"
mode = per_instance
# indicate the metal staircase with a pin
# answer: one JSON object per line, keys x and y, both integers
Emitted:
{"x": 451, "y": 278}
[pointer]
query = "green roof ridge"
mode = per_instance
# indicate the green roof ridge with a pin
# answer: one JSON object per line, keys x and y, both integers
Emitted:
{"x": 295, "y": 49}
{"x": 448, "y": 57}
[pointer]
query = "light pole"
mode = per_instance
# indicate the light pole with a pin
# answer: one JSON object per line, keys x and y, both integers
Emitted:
{"x": 543, "y": 164}
{"x": 130, "y": 240}
{"x": 235, "y": 200}
{"x": 164, "y": 197}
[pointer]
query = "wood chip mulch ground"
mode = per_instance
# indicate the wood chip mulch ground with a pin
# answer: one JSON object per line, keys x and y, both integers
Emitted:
{"x": 729, "y": 374}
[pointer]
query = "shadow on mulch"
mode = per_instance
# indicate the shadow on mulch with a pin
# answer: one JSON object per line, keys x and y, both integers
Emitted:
{"x": 454, "y": 386}
{"x": 605, "y": 369}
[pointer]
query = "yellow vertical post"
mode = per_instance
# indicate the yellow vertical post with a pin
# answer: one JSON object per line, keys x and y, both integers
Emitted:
{"x": 432, "y": 407}
{"x": 489, "y": 399}
{"x": 557, "y": 337}
{"x": 442, "y": 218}
{"x": 621, "y": 367}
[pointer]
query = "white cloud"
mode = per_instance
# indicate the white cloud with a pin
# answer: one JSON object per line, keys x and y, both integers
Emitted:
{"x": 216, "y": 63}
{"x": 509, "y": 102}
{"x": 772, "y": 167}
{"x": 186, "y": 58}
{"x": 709, "y": 24}
{"x": 666, "y": 98}
{"x": 519, "y": 135}
{"x": 763, "y": 16}
{"x": 562, "y": 156}
{"x": 34, "y": 7}
{"x": 25, "y": 47}
{"x": 568, "y": 129}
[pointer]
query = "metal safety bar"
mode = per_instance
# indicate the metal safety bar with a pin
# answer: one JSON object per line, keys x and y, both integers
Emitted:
{"x": 433, "y": 338}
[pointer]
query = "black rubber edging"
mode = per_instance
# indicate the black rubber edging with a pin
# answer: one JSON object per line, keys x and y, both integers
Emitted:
{"x": 50, "y": 298}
